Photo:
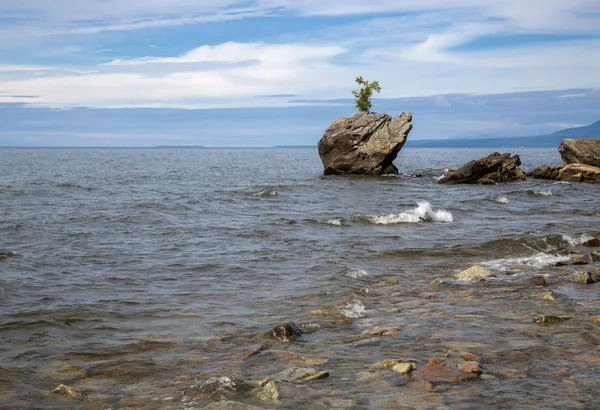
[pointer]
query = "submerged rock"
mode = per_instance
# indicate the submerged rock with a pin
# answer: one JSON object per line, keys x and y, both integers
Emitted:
{"x": 586, "y": 278}
{"x": 286, "y": 333}
{"x": 496, "y": 168}
{"x": 550, "y": 319}
{"x": 474, "y": 273}
{"x": 299, "y": 375}
{"x": 581, "y": 151}
{"x": 437, "y": 371}
{"x": 268, "y": 392}
{"x": 67, "y": 391}
{"x": 366, "y": 143}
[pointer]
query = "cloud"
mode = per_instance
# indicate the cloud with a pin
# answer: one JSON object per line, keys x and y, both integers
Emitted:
{"x": 412, "y": 48}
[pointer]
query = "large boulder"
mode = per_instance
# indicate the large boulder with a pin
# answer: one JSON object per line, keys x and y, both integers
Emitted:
{"x": 545, "y": 172}
{"x": 581, "y": 151}
{"x": 492, "y": 169}
{"x": 366, "y": 143}
{"x": 579, "y": 173}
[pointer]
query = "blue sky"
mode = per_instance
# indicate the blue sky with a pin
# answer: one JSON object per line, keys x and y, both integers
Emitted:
{"x": 277, "y": 72}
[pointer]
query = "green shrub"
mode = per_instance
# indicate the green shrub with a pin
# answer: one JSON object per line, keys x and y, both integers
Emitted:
{"x": 363, "y": 96}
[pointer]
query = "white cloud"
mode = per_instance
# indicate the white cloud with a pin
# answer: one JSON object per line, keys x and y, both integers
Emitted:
{"x": 422, "y": 53}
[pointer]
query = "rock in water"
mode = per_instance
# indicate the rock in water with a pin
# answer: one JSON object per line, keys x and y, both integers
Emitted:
{"x": 286, "y": 333}
{"x": 579, "y": 173}
{"x": 367, "y": 143}
{"x": 495, "y": 168}
{"x": 581, "y": 151}
{"x": 545, "y": 172}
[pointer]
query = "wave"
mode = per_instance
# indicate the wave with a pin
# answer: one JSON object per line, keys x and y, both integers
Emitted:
{"x": 266, "y": 193}
{"x": 545, "y": 192}
{"x": 577, "y": 241}
{"x": 539, "y": 260}
{"x": 334, "y": 222}
{"x": 354, "y": 310}
{"x": 500, "y": 200}
{"x": 529, "y": 243}
{"x": 423, "y": 213}
{"x": 355, "y": 273}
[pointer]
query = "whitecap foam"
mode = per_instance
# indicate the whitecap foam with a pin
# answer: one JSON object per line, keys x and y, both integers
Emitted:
{"x": 355, "y": 273}
{"x": 354, "y": 310}
{"x": 539, "y": 260}
{"x": 334, "y": 222}
{"x": 266, "y": 192}
{"x": 545, "y": 192}
{"x": 501, "y": 200}
{"x": 423, "y": 213}
{"x": 577, "y": 241}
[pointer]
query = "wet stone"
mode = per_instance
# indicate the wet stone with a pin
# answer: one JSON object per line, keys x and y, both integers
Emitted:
{"x": 537, "y": 281}
{"x": 299, "y": 375}
{"x": 474, "y": 273}
{"x": 550, "y": 319}
{"x": 382, "y": 331}
{"x": 403, "y": 368}
{"x": 437, "y": 371}
{"x": 470, "y": 367}
{"x": 218, "y": 386}
{"x": 586, "y": 278}
{"x": 286, "y": 333}
{"x": 592, "y": 243}
{"x": 268, "y": 392}
{"x": 387, "y": 283}
{"x": 67, "y": 391}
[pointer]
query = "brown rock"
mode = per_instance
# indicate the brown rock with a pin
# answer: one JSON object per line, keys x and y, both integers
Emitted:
{"x": 537, "y": 281}
{"x": 550, "y": 319}
{"x": 496, "y": 167}
{"x": 421, "y": 385}
{"x": 579, "y": 173}
{"x": 67, "y": 391}
{"x": 586, "y": 278}
{"x": 470, "y": 367}
{"x": 545, "y": 172}
{"x": 367, "y": 143}
{"x": 286, "y": 333}
{"x": 592, "y": 243}
{"x": 383, "y": 331}
{"x": 581, "y": 151}
{"x": 436, "y": 371}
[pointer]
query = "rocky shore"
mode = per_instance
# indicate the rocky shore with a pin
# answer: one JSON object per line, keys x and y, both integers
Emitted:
{"x": 462, "y": 319}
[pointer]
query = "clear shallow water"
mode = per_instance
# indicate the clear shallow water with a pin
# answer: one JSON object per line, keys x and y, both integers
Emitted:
{"x": 139, "y": 274}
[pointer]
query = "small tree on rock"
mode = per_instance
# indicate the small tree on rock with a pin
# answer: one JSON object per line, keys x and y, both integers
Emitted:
{"x": 363, "y": 96}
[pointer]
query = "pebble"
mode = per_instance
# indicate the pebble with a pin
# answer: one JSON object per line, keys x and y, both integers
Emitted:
{"x": 474, "y": 273}
{"x": 537, "y": 281}
{"x": 403, "y": 368}
{"x": 548, "y": 296}
{"x": 67, "y": 391}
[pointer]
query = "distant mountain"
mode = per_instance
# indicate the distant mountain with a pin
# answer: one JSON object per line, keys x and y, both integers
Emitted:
{"x": 549, "y": 140}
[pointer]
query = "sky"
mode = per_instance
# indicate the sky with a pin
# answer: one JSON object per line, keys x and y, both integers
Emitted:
{"x": 278, "y": 72}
